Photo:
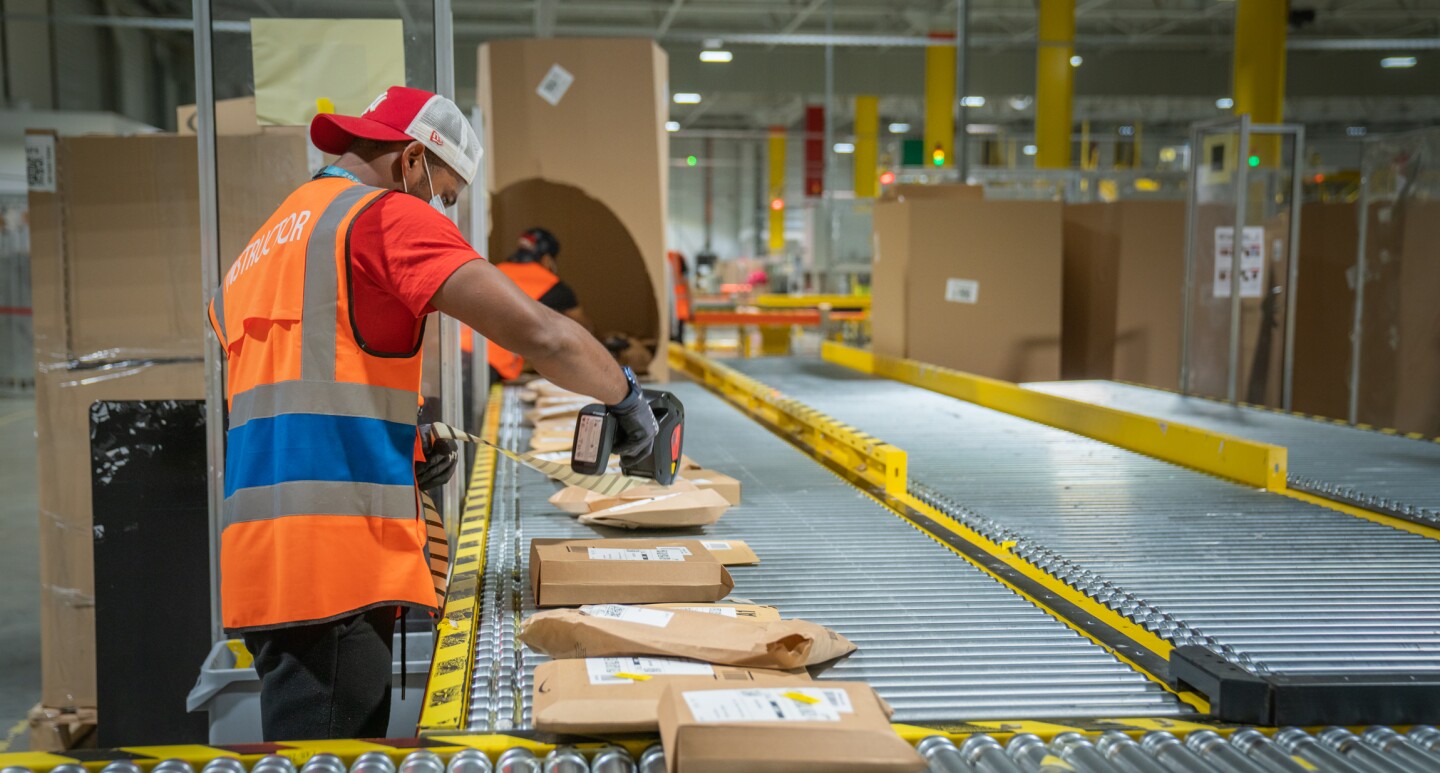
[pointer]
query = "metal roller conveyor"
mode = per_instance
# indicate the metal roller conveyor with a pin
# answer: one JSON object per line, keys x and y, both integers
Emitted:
{"x": 939, "y": 639}
{"x": 1377, "y": 471}
{"x": 1270, "y": 582}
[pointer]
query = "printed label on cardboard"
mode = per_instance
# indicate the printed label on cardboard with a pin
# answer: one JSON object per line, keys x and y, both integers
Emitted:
{"x": 657, "y": 618}
{"x": 723, "y": 611}
{"x": 962, "y": 291}
{"x": 608, "y": 670}
{"x": 554, "y": 85}
{"x": 771, "y": 704}
{"x": 639, "y": 554}
{"x": 715, "y": 544}
{"x": 40, "y": 163}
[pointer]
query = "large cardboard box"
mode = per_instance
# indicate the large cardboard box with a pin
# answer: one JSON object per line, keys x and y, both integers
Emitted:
{"x": 1124, "y": 286}
{"x": 118, "y": 313}
{"x": 982, "y": 284}
{"x": 567, "y": 572}
{"x": 772, "y": 727}
{"x": 1324, "y": 306}
{"x": 588, "y": 161}
{"x": 622, "y": 694}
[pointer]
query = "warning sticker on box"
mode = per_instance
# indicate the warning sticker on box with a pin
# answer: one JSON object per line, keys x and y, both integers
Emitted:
{"x": 722, "y": 611}
{"x": 715, "y": 544}
{"x": 657, "y": 618}
{"x": 632, "y": 670}
{"x": 776, "y": 704}
{"x": 556, "y": 82}
{"x": 639, "y": 554}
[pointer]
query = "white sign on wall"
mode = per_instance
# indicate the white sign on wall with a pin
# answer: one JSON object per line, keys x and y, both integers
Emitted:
{"x": 1252, "y": 261}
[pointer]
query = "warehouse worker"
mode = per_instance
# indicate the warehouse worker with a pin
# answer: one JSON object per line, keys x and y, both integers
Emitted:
{"x": 322, "y": 318}
{"x": 534, "y": 268}
{"x": 680, "y": 283}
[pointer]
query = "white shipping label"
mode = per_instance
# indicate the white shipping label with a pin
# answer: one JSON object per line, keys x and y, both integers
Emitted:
{"x": 40, "y": 163}
{"x": 962, "y": 291}
{"x": 554, "y": 85}
{"x": 605, "y": 670}
{"x": 722, "y": 611}
{"x": 657, "y": 618}
{"x": 639, "y": 554}
{"x": 715, "y": 544}
{"x": 770, "y": 704}
{"x": 1252, "y": 261}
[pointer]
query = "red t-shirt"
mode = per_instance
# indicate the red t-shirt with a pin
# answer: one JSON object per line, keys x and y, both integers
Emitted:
{"x": 401, "y": 251}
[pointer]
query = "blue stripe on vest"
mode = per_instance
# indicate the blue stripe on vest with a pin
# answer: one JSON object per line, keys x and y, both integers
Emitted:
{"x": 308, "y": 446}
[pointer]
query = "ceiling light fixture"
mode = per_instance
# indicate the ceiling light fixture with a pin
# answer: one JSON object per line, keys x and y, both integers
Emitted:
{"x": 716, "y": 57}
{"x": 1397, "y": 62}
{"x": 686, "y": 98}
{"x": 1030, "y": 150}
{"x": 844, "y": 147}
{"x": 1224, "y": 103}
{"x": 972, "y": 101}
{"x": 672, "y": 126}
{"x": 899, "y": 128}
{"x": 1077, "y": 60}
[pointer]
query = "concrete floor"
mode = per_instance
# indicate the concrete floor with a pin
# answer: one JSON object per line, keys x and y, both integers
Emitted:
{"x": 19, "y": 567}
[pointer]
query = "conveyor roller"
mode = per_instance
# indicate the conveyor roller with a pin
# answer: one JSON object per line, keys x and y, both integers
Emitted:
{"x": 939, "y": 639}
{"x": 1270, "y": 582}
{"x": 1374, "y": 470}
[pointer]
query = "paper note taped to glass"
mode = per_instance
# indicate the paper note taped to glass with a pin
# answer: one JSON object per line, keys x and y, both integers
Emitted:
{"x": 609, "y": 484}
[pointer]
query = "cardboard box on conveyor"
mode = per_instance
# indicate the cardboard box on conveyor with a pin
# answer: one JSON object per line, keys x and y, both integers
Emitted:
{"x": 568, "y": 572}
{"x": 622, "y": 694}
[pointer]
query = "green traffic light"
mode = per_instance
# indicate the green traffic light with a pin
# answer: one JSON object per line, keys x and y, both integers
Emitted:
{"x": 1254, "y": 161}
{"x": 692, "y": 161}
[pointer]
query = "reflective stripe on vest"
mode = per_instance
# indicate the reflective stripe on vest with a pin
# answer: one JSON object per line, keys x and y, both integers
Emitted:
{"x": 535, "y": 280}
{"x": 321, "y": 517}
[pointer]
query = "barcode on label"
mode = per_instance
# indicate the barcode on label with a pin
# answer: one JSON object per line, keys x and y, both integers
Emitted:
{"x": 555, "y": 83}
{"x": 715, "y": 544}
{"x": 40, "y": 163}
{"x": 607, "y": 670}
{"x": 962, "y": 291}
{"x": 657, "y": 618}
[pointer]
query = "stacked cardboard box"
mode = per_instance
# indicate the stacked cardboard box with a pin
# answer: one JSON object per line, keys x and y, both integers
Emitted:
{"x": 575, "y": 142}
{"x": 969, "y": 284}
{"x": 118, "y": 315}
{"x": 1123, "y": 291}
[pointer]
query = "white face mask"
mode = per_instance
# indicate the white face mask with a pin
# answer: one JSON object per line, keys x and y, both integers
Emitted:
{"x": 435, "y": 200}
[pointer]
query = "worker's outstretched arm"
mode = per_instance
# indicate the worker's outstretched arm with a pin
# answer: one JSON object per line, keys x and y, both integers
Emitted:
{"x": 480, "y": 296}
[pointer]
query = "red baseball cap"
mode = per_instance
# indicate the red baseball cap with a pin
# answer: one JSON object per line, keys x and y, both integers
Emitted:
{"x": 403, "y": 114}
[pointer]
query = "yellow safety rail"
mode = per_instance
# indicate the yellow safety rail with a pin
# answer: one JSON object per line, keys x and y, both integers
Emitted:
{"x": 812, "y": 301}
{"x": 447, "y": 694}
{"x": 1261, "y": 465}
{"x": 880, "y": 464}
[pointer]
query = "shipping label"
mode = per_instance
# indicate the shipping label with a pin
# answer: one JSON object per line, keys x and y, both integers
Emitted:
{"x": 639, "y": 554}
{"x": 769, "y": 704}
{"x": 610, "y": 670}
{"x": 722, "y": 611}
{"x": 657, "y": 618}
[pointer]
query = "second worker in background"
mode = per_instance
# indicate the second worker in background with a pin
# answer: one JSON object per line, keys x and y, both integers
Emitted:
{"x": 535, "y": 269}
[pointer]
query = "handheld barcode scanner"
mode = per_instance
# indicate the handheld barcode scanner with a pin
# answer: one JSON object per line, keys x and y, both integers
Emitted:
{"x": 595, "y": 437}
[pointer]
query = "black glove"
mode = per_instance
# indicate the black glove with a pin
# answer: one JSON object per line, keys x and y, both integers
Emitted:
{"x": 440, "y": 459}
{"x": 636, "y": 427}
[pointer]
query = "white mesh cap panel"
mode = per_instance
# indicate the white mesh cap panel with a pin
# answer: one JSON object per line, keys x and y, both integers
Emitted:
{"x": 442, "y": 127}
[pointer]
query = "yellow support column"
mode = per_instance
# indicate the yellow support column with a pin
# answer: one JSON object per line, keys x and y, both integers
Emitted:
{"x": 777, "y": 190}
{"x": 867, "y": 147}
{"x": 1260, "y": 27}
{"x": 1055, "y": 83}
{"x": 940, "y": 103}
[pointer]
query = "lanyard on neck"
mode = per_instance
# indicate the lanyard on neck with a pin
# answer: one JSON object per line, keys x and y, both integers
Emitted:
{"x": 335, "y": 171}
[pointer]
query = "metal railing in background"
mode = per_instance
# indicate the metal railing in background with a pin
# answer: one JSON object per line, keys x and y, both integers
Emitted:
{"x": 17, "y": 344}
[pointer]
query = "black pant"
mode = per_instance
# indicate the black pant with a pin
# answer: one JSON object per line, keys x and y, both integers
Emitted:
{"x": 329, "y": 680}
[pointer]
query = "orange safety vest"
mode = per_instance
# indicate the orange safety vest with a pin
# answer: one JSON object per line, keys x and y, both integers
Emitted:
{"x": 682, "y": 287}
{"x": 321, "y": 516}
{"x": 535, "y": 280}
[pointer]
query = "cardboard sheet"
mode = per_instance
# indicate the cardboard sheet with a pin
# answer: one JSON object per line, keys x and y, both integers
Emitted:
{"x": 780, "y": 726}
{"x": 622, "y": 695}
{"x": 624, "y": 571}
{"x": 343, "y": 64}
{"x": 591, "y": 632}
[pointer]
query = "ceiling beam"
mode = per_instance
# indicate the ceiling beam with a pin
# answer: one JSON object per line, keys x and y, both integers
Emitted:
{"x": 670, "y": 14}
{"x": 545, "y": 12}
